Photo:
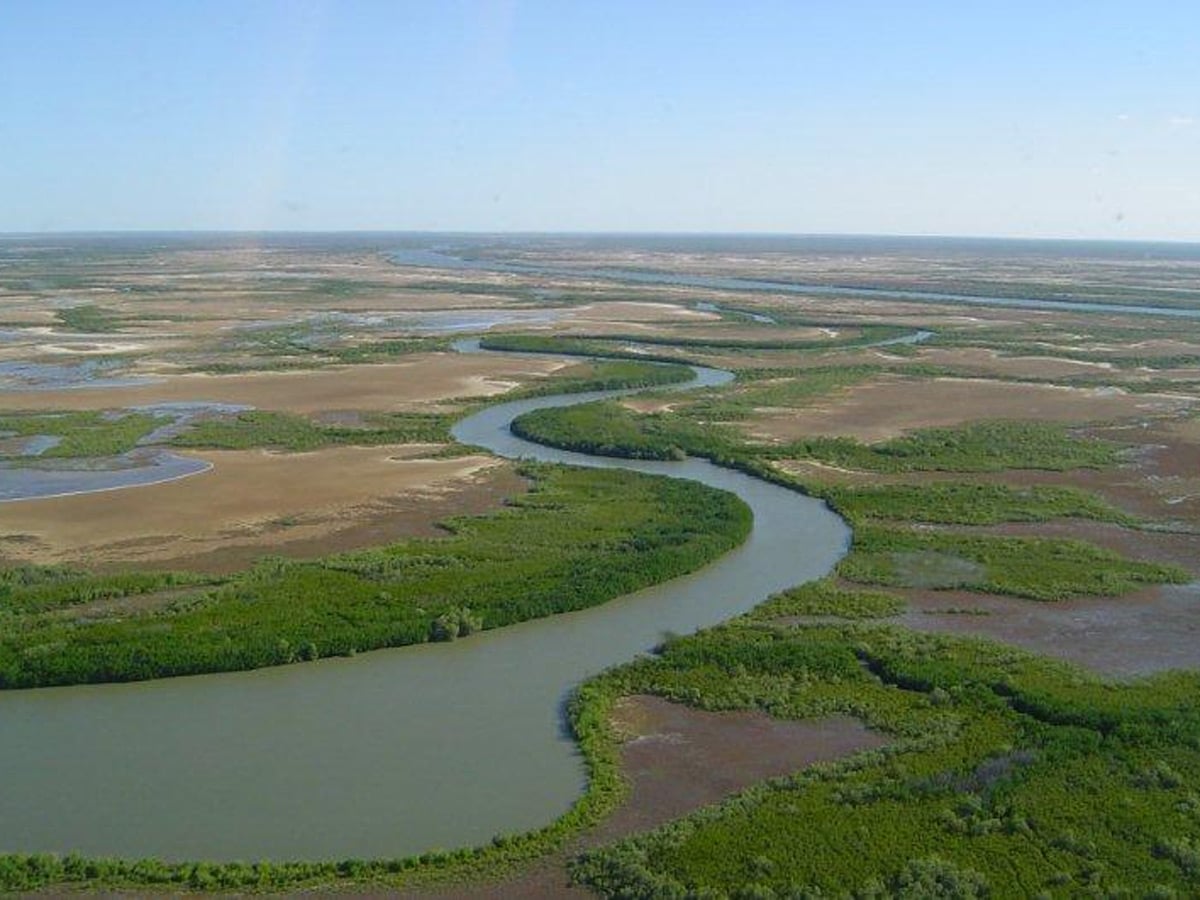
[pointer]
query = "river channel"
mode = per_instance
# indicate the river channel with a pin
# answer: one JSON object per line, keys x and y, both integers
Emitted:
{"x": 388, "y": 753}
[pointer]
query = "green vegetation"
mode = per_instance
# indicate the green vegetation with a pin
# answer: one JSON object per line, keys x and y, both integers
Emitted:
{"x": 1007, "y": 775}
{"x": 26, "y": 590}
{"x": 757, "y": 389}
{"x": 83, "y": 434}
{"x": 825, "y": 598}
{"x": 572, "y": 346}
{"x": 287, "y": 431}
{"x": 974, "y": 447}
{"x": 632, "y": 346}
{"x": 384, "y": 351}
{"x": 578, "y": 538}
{"x": 948, "y": 503}
{"x": 610, "y": 429}
{"x": 607, "y": 428}
{"x": 1035, "y": 568}
{"x": 306, "y": 346}
{"x": 89, "y": 318}
{"x": 605, "y": 376}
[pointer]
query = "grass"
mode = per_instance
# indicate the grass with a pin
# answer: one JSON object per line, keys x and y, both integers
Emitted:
{"x": 986, "y": 446}
{"x": 297, "y": 346}
{"x": 84, "y": 434}
{"x": 788, "y": 389}
{"x": 1034, "y": 568}
{"x": 578, "y": 538}
{"x": 605, "y": 375}
{"x": 949, "y": 503}
{"x": 288, "y": 431}
{"x": 826, "y": 598}
{"x": 90, "y": 318}
{"x": 610, "y": 429}
{"x": 606, "y": 428}
{"x": 385, "y": 350}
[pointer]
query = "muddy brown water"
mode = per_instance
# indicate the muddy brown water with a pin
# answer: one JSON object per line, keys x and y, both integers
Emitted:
{"x": 386, "y": 754}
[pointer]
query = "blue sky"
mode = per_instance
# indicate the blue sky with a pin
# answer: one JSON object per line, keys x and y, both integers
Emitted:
{"x": 1057, "y": 119}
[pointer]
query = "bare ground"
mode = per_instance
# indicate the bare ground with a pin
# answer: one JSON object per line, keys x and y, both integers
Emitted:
{"x": 388, "y": 386}
{"x": 1150, "y": 631}
{"x": 887, "y": 407}
{"x": 254, "y": 502}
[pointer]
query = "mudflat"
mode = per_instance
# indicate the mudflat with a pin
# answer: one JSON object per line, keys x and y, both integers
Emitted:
{"x": 249, "y": 498}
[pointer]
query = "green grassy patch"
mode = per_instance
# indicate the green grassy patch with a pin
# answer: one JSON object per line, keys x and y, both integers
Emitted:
{"x": 987, "y": 446}
{"x": 287, "y": 431}
{"x": 90, "y": 318}
{"x": 26, "y": 590}
{"x": 790, "y": 389}
{"x": 83, "y": 434}
{"x": 385, "y": 350}
{"x": 1035, "y": 568}
{"x": 825, "y": 598}
{"x": 968, "y": 504}
{"x": 608, "y": 375}
{"x": 609, "y": 429}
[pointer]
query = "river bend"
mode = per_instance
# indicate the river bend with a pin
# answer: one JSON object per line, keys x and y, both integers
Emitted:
{"x": 388, "y": 753}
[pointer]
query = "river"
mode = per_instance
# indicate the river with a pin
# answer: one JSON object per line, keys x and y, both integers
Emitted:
{"x": 388, "y": 753}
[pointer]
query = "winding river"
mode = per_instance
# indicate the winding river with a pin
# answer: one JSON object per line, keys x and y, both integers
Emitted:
{"x": 388, "y": 753}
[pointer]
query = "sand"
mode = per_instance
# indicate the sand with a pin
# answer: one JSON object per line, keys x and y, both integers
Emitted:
{"x": 388, "y": 386}
{"x": 249, "y": 497}
{"x": 892, "y": 405}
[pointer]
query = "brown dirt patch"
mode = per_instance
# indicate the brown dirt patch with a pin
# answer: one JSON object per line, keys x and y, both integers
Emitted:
{"x": 887, "y": 407}
{"x": 679, "y": 759}
{"x": 254, "y": 502}
{"x": 1141, "y": 633}
{"x": 390, "y": 386}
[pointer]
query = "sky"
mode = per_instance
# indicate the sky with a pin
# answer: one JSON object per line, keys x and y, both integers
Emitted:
{"x": 1050, "y": 119}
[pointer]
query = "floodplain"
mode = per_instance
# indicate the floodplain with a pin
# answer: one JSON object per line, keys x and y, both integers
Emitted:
{"x": 1011, "y": 631}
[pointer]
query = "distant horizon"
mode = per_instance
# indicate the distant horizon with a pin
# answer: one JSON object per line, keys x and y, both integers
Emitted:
{"x": 599, "y": 233}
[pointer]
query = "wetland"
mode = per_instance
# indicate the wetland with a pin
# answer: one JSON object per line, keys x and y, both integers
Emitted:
{"x": 959, "y": 581}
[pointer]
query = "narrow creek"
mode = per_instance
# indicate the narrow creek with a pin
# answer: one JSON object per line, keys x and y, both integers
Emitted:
{"x": 388, "y": 753}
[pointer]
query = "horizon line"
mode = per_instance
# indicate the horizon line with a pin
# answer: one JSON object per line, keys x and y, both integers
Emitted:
{"x": 119, "y": 232}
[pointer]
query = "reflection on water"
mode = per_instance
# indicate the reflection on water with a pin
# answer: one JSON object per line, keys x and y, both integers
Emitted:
{"x": 84, "y": 475}
{"x": 88, "y": 373}
{"x": 38, "y": 479}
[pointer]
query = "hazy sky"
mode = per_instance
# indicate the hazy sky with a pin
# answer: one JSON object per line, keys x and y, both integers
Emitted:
{"x": 1049, "y": 118}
